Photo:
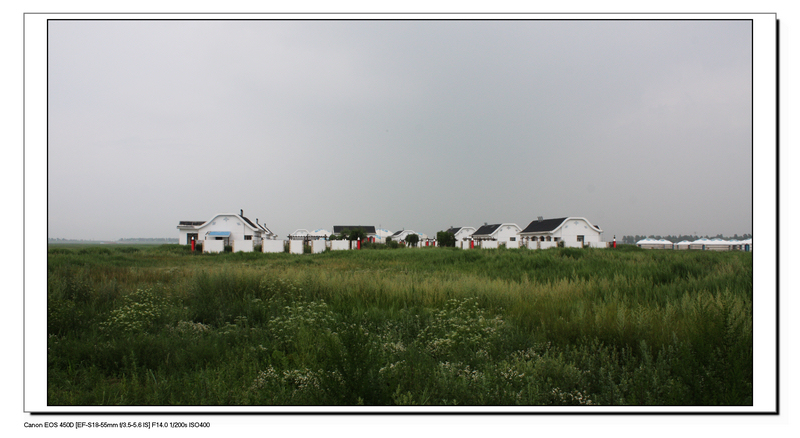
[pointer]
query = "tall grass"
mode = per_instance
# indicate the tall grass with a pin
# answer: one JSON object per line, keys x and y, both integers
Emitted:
{"x": 162, "y": 325}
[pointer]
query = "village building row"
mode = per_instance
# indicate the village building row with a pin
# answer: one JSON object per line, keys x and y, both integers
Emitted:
{"x": 540, "y": 233}
{"x": 227, "y": 229}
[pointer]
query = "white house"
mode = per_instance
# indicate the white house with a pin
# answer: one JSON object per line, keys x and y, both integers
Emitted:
{"x": 500, "y": 233}
{"x": 309, "y": 236}
{"x": 401, "y": 235}
{"x": 462, "y": 234}
{"x": 320, "y": 233}
{"x": 573, "y": 231}
{"x": 369, "y": 230}
{"x": 301, "y": 234}
{"x": 227, "y": 227}
{"x": 381, "y": 234}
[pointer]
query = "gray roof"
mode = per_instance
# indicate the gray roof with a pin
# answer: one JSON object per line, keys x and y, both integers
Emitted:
{"x": 249, "y": 222}
{"x": 369, "y": 229}
{"x": 486, "y": 230}
{"x": 256, "y": 226}
{"x": 544, "y": 225}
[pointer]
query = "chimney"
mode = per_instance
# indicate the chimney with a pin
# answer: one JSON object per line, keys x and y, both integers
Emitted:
{"x": 540, "y": 219}
{"x": 241, "y": 213}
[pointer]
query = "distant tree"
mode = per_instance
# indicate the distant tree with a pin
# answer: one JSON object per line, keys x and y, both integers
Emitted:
{"x": 628, "y": 240}
{"x": 412, "y": 239}
{"x": 358, "y": 233}
{"x": 444, "y": 238}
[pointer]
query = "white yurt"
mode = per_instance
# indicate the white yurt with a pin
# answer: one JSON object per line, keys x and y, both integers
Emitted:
{"x": 650, "y": 243}
{"x": 699, "y": 243}
{"x": 746, "y": 245}
{"x": 718, "y": 244}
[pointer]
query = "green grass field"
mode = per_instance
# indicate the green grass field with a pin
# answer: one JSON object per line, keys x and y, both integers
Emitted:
{"x": 158, "y": 325}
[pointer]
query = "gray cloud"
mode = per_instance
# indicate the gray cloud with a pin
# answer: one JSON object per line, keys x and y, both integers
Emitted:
{"x": 640, "y": 126}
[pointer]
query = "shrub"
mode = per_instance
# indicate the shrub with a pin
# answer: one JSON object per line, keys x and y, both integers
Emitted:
{"x": 140, "y": 312}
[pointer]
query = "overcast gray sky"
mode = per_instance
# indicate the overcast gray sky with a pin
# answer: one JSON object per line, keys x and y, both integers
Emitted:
{"x": 642, "y": 127}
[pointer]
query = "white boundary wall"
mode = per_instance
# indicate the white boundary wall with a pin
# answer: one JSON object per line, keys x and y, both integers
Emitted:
{"x": 272, "y": 246}
{"x": 514, "y": 244}
{"x": 488, "y": 244}
{"x": 337, "y": 245}
{"x": 546, "y": 244}
{"x": 598, "y": 244}
{"x": 213, "y": 245}
{"x": 295, "y": 247}
{"x": 242, "y": 246}
{"x": 317, "y": 246}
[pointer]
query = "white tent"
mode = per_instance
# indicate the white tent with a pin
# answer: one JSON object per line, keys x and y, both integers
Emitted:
{"x": 746, "y": 245}
{"x": 699, "y": 243}
{"x": 718, "y": 244}
{"x": 650, "y": 243}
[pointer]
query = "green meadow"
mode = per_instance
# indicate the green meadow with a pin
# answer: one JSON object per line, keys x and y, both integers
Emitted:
{"x": 160, "y": 325}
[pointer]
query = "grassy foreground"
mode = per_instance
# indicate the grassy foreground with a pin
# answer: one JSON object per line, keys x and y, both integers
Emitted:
{"x": 158, "y": 325}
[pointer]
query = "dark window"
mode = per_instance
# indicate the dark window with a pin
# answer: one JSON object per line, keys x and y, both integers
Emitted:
{"x": 248, "y": 237}
{"x": 580, "y": 238}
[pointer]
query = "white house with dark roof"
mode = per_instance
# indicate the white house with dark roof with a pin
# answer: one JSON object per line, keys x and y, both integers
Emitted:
{"x": 369, "y": 230}
{"x": 227, "y": 227}
{"x": 462, "y": 234}
{"x": 573, "y": 231}
{"x": 401, "y": 235}
{"x": 500, "y": 233}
